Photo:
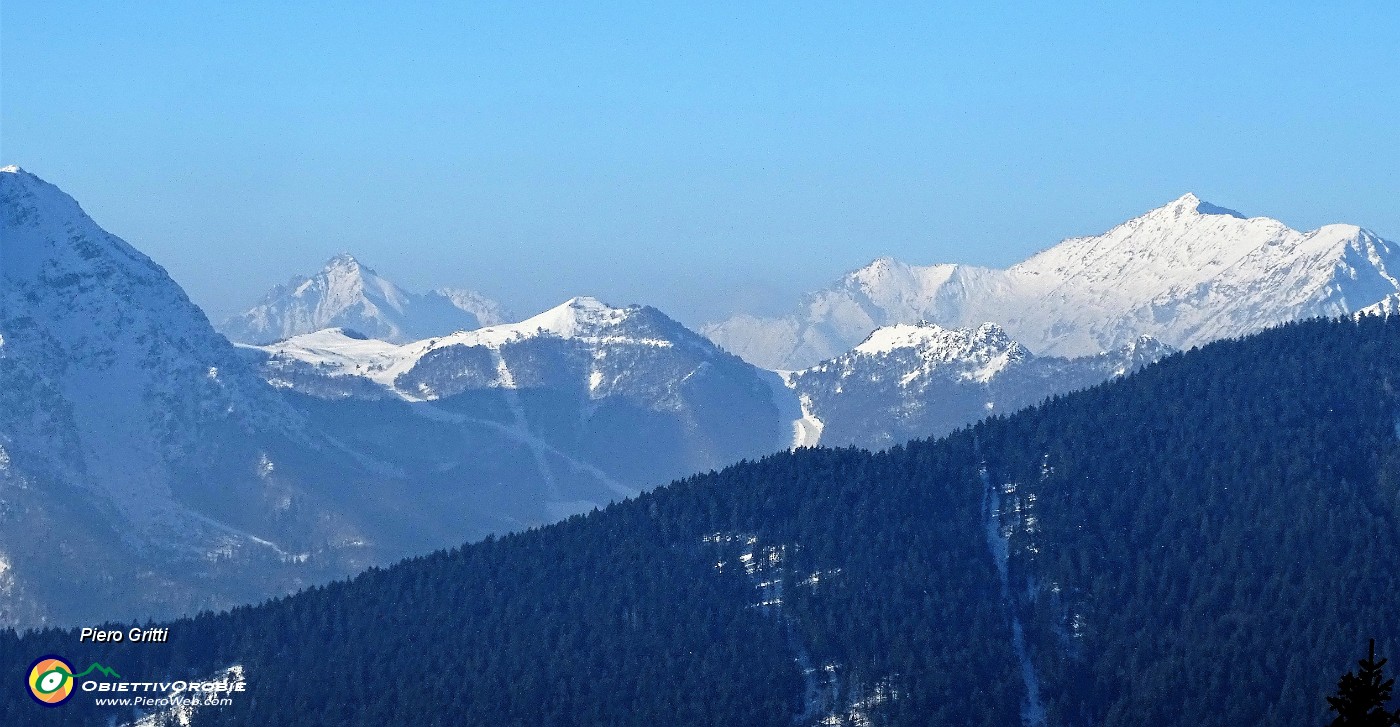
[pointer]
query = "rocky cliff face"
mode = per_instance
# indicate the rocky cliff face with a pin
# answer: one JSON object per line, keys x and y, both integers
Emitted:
{"x": 911, "y": 381}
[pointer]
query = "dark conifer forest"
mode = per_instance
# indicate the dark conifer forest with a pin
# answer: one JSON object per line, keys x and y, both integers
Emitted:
{"x": 1210, "y": 541}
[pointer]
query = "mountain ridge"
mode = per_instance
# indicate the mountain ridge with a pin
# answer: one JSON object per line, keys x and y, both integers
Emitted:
{"x": 1194, "y": 544}
{"x": 338, "y": 352}
{"x": 908, "y": 381}
{"x": 162, "y": 474}
{"x": 1187, "y": 272}
{"x": 118, "y": 394}
{"x": 347, "y": 293}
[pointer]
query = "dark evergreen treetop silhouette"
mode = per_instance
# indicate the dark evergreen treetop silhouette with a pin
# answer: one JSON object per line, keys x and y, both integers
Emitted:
{"x": 1361, "y": 697}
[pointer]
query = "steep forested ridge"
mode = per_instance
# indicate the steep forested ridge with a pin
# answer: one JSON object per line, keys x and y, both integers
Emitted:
{"x": 1225, "y": 526}
{"x": 1207, "y": 542}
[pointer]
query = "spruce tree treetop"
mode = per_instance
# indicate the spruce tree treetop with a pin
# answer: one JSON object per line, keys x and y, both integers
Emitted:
{"x": 1361, "y": 697}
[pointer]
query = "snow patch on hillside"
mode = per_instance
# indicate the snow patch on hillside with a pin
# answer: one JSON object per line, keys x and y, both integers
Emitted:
{"x": 828, "y": 698}
{"x": 185, "y": 706}
{"x": 998, "y": 543}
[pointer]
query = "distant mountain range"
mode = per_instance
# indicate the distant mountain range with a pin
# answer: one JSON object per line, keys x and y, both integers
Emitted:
{"x": 903, "y": 382}
{"x": 347, "y": 294}
{"x": 1210, "y": 542}
{"x": 147, "y": 468}
{"x": 1186, "y": 273}
{"x": 170, "y": 470}
{"x": 625, "y": 398}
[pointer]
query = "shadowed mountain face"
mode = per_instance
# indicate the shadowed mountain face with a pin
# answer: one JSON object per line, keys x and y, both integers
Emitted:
{"x": 138, "y": 449}
{"x": 625, "y": 397}
{"x": 146, "y": 469}
{"x": 1193, "y": 544}
{"x": 1186, "y": 274}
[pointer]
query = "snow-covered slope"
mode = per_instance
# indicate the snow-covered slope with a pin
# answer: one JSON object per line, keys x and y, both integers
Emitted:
{"x": 486, "y": 311}
{"x": 980, "y": 354}
{"x": 583, "y": 380}
{"x": 1186, "y": 273}
{"x": 584, "y": 357}
{"x": 608, "y": 350}
{"x": 148, "y": 469}
{"x": 1387, "y": 306}
{"x": 907, "y": 381}
{"x": 348, "y": 294}
{"x": 136, "y": 440}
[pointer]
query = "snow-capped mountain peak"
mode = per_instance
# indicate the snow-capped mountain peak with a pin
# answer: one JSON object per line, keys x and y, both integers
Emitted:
{"x": 177, "y": 479}
{"x": 29, "y": 203}
{"x": 1186, "y": 272}
{"x": 93, "y": 294}
{"x": 1189, "y": 204}
{"x": 485, "y": 357}
{"x": 344, "y": 261}
{"x": 909, "y": 380}
{"x": 344, "y": 282}
{"x": 115, "y": 388}
{"x": 580, "y": 316}
{"x": 1186, "y": 204}
{"x": 923, "y": 348}
{"x": 949, "y": 344}
{"x": 488, "y": 312}
{"x": 348, "y": 293}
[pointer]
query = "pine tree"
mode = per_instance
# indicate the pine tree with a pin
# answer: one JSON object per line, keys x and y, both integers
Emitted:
{"x": 1361, "y": 697}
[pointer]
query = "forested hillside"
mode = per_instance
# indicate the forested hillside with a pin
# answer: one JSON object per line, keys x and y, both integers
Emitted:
{"x": 1207, "y": 542}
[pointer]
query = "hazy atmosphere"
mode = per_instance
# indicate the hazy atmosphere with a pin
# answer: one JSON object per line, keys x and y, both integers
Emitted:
{"x": 690, "y": 364}
{"x": 707, "y": 159}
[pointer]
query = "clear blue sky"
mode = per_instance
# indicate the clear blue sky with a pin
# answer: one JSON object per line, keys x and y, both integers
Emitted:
{"x": 700, "y": 158}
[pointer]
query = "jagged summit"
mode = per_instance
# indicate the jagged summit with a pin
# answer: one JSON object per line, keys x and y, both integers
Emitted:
{"x": 586, "y": 324}
{"x": 950, "y": 343}
{"x": 1190, "y": 204}
{"x": 11, "y": 169}
{"x": 1187, "y": 273}
{"x": 344, "y": 265}
{"x": 978, "y": 353}
{"x": 348, "y": 293}
{"x": 178, "y": 478}
{"x": 922, "y": 379}
{"x": 1187, "y": 203}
